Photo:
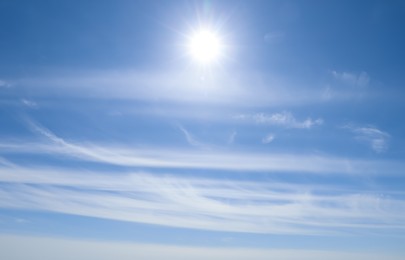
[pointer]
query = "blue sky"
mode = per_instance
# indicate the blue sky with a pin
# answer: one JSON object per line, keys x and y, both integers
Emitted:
{"x": 116, "y": 143}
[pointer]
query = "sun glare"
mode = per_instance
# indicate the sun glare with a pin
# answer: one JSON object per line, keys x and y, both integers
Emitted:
{"x": 205, "y": 46}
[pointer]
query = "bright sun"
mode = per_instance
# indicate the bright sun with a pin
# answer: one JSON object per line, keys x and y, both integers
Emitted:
{"x": 205, "y": 46}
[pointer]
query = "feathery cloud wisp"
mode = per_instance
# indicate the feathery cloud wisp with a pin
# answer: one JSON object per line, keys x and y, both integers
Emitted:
{"x": 232, "y": 137}
{"x": 4, "y": 84}
{"x": 191, "y": 139}
{"x": 377, "y": 139}
{"x": 29, "y": 103}
{"x": 360, "y": 80}
{"x": 201, "y": 203}
{"x": 198, "y": 203}
{"x": 283, "y": 119}
{"x": 268, "y": 138}
{"x": 191, "y": 159}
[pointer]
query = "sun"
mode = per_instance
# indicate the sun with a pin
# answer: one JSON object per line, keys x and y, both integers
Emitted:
{"x": 205, "y": 46}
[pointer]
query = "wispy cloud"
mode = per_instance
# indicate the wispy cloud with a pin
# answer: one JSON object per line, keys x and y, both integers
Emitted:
{"x": 327, "y": 93}
{"x": 201, "y": 203}
{"x": 180, "y": 158}
{"x": 4, "y": 84}
{"x": 191, "y": 139}
{"x": 29, "y": 103}
{"x": 22, "y": 220}
{"x": 268, "y": 138}
{"x": 283, "y": 119}
{"x": 377, "y": 139}
{"x": 346, "y": 86}
{"x": 173, "y": 87}
{"x": 5, "y": 162}
{"x": 232, "y": 136}
{"x": 206, "y": 203}
{"x": 361, "y": 79}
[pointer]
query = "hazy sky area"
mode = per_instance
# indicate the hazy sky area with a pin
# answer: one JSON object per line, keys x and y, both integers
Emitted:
{"x": 202, "y": 130}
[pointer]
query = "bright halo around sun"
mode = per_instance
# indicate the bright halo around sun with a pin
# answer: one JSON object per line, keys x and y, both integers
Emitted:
{"x": 205, "y": 47}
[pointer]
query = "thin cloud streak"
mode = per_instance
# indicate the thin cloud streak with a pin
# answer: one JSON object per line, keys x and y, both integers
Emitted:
{"x": 377, "y": 139}
{"x": 361, "y": 79}
{"x": 197, "y": 203}
{"x": 201, "y": 203}
{"x": 29, "y": 103}
{"x": 4, "y": 84}
{"x": 181, "y": 87}
{"x": 5, "y": 162}
{"x": 192, "y": 159}
{"x": 268, "y": 138}
{"x": 191, "y": 139}
{"x": 232, "y": 137}
{"x": 283, "y": 119}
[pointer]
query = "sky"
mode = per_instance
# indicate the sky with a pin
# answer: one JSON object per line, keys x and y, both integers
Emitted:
{"x": 117, "y": 141}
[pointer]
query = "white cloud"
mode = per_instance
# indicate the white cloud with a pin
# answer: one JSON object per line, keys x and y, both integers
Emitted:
{"x": 191, "y": 159}
{"x": 283, "y": 119}
{"x": 232, "y": 137}
{"x": 191, "y": 139}
{"x": 361, "y": 79}
{"x": 29, "y": 103}
{"x": 327, "y": 93}
{"x": 4, "y": 84}
{"x": 202, "y": 203}
{"x": 6, "y": 162}
{"x": 173, "y": 87}
{"x": 67, "y": 249}
{"x": 377, "y": 139}
{"x": 268, "y": 138}
{"x": 198, "y": 203}
{"x": 21, "y": 220}
{"x": 345, "y": 86}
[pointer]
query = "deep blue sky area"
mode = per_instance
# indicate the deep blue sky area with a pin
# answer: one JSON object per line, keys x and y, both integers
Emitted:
{"x": 202, "y": 129}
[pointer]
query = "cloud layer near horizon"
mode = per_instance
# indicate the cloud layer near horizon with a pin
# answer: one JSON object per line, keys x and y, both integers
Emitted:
{"x": 38, "y": 248}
